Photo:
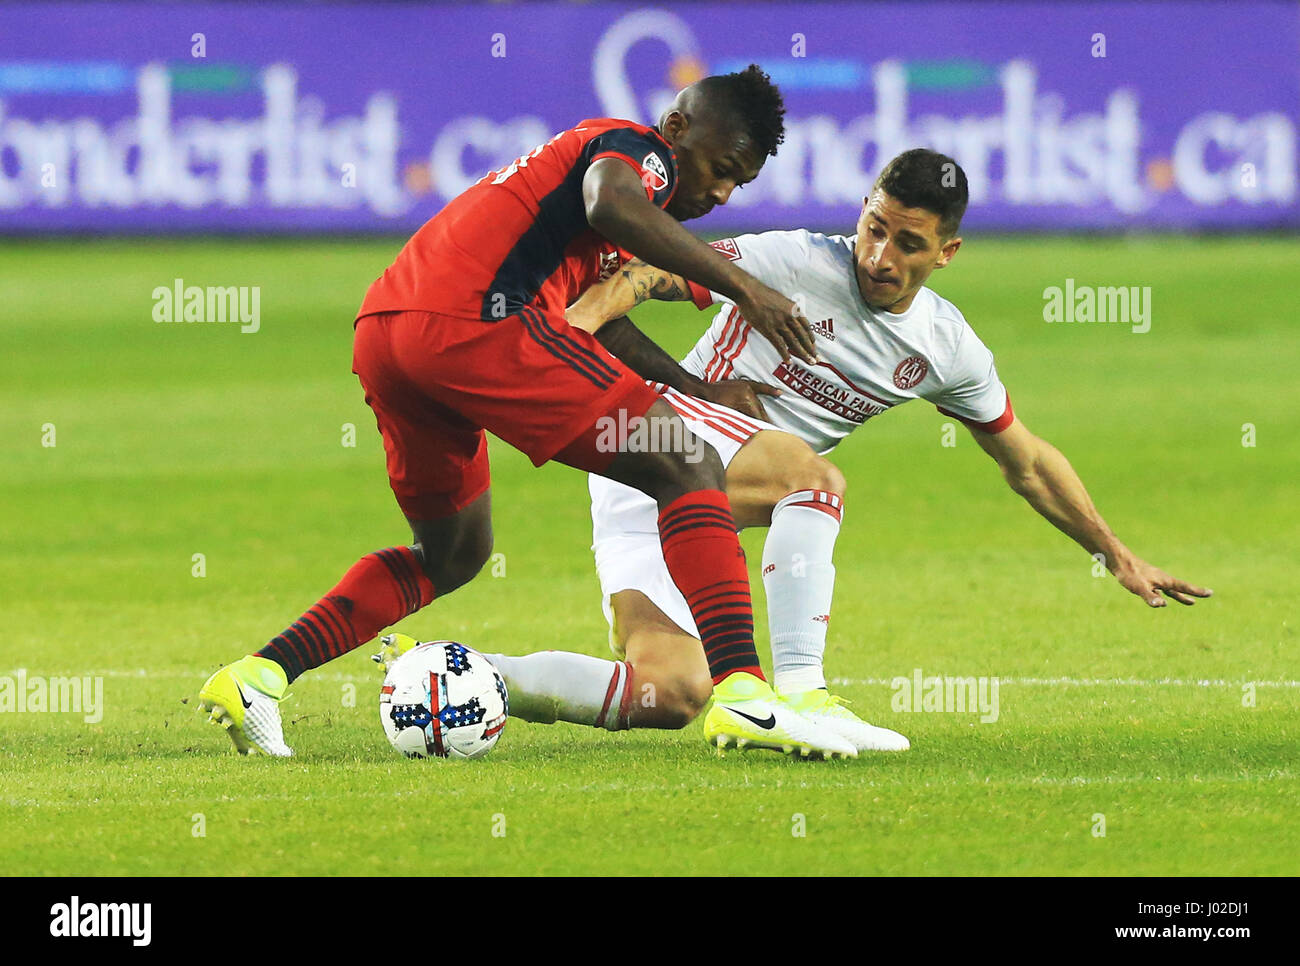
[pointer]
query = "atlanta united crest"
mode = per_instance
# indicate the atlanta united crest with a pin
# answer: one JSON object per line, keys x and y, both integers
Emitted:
{"x": 910, "y": 372}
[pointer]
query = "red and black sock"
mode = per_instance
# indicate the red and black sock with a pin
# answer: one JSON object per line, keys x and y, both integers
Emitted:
{"x": 380, "y": 589}
{"x": 698, "y": 535}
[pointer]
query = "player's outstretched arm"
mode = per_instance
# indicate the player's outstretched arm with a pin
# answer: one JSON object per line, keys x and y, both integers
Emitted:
{"x": 617, "y": 207}
{"x": 1040, "y": 473}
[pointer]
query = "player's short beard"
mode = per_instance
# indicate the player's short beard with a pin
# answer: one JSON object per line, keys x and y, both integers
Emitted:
{"x": 879, "y": 307}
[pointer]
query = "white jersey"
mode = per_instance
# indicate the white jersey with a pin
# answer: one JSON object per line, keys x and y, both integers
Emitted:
{"x": 870, "y": 359}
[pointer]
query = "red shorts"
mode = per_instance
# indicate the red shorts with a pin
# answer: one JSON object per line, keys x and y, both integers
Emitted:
{"x": 436, "y": 383}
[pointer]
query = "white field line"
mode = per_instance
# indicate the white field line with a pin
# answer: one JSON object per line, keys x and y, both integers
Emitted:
{"x": 657, "y": 788}
{"x": 200, "y": 675}
{"x": 1086, "y": 682}
{"x": 377, "y": 677}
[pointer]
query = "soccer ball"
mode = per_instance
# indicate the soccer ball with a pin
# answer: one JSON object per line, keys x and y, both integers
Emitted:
{"x": 443, "y": 700}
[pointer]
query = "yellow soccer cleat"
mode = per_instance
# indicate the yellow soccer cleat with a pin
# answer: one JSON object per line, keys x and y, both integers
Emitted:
{"x": 747, "y": 713}
{"x": 391, "y": 647}
{"x": 244, "y": 698}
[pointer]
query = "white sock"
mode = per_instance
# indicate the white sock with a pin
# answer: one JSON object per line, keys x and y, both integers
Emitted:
{"x": 557, "y": 685}
{"x": 799, "y": 580}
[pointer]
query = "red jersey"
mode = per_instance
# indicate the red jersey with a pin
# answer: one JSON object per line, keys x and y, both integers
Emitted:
{"x": 519, "y": 236}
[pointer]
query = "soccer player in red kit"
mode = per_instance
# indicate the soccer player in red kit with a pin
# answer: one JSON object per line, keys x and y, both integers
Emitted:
{"x": 466, "y": 332}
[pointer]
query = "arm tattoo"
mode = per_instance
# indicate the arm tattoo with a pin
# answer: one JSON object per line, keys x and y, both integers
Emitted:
{"x": 648, "y": 282}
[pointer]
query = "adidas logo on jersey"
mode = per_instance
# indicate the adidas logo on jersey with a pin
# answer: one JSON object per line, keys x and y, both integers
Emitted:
{"x": 825, "y": 328}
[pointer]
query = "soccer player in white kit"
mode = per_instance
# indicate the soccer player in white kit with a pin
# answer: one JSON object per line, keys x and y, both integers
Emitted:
{"x": 882, "y": 339}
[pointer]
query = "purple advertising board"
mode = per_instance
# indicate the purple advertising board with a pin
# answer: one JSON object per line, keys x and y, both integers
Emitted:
{"x": 137, "y": 117}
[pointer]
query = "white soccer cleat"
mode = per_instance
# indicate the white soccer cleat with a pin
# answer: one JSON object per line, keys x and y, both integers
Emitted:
{"x": 828, "y": 711}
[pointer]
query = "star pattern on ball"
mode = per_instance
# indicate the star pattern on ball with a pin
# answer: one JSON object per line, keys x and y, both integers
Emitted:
{"x": 411, "y": 716}
{"x": 457, "y": 658}
{"x": 459, "y": 715}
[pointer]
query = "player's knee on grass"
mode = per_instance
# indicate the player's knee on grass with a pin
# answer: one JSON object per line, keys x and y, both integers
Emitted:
{"x": 669, "y": 696}
{"x": 671, "y": 682}
{"x": 690, "y": 694}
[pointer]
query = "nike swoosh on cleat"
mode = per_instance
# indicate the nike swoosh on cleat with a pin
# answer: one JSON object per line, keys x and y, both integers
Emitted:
{"x": 247, "y": 703}
{"x": 767, "y": 723}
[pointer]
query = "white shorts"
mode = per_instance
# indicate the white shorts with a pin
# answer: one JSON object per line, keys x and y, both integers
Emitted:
{"x": 625, "y": 522}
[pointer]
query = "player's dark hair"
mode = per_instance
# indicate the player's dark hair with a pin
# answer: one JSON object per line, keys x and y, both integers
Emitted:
{"x": 753, "y": 101}
{"x": 921, "y": 178}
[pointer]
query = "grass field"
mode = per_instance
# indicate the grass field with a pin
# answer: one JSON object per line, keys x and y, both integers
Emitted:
{"x": 174, "y": 440}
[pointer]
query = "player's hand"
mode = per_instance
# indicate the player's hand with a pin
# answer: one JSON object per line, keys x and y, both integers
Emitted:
{"x": 739, "y": 394}
{"x": 580, "y": 318}
{"x": 781, "y": 322}
{"x": 1149, "y": 582}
